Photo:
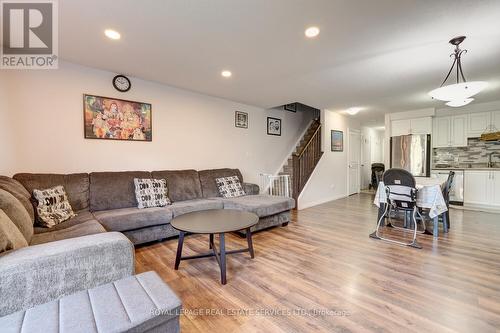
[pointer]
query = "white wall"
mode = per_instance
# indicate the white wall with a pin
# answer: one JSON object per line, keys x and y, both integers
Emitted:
{"x": 373, "y": 152}
{"x": 190, "y": 130}
{"x": 329, "y": 179}
{"x": 7, "y": 131}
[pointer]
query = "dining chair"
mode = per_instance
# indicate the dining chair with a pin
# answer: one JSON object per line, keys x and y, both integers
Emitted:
{"x": 401, "y": 195}
{"x": 446, "y": 188}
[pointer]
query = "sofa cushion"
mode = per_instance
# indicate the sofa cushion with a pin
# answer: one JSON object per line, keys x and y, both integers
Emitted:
{"x": 17, "y": 189}
{"x": 260, "y": 204}
{"x": 207, "y": 180}
{"x": 17, "y": 214}
{"x": 81, "y": 216}
{"x": 114, "y": 190}
{"x": 10, "y": 236}
{"x": 188, "y": 206}
{"x": 124, "y": 219}
{"x": 76, "y": 186}
{"x": 182, "y": 184}
{"x": 82, "y": 229}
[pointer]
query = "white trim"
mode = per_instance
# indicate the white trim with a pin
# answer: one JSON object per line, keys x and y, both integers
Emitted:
{"x": 319, "y": 202}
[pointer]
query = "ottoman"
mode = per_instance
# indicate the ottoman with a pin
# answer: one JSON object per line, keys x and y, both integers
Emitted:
{"x": 140, "y": 303}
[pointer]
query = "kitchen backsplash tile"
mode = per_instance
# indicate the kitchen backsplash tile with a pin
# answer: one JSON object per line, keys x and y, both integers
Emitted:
{"x": 476, "y": 152}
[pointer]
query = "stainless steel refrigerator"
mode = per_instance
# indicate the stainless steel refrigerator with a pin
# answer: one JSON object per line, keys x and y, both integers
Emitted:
{"x": 412, "y": 153}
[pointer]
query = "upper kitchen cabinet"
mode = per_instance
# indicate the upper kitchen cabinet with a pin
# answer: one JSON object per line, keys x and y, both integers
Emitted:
{"x": 449, "y": 131}
{"x": 495, "y": 119}
{"x": 411, "y": 126}
{"x": 479, "y": 122}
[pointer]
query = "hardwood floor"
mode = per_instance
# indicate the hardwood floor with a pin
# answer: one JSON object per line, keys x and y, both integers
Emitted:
{"x": 324, "y": 260}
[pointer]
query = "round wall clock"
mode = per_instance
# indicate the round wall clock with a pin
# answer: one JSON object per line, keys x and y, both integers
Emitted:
{"x": 121, "y": 83}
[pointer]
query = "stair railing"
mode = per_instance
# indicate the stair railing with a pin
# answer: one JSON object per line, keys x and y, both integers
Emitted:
{"x": 304, "y": 162}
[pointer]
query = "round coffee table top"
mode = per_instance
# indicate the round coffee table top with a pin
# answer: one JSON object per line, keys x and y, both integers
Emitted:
{"x": 214, "y": 221}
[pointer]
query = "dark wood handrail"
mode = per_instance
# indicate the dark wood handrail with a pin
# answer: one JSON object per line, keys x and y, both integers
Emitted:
{"x": 305, "y": 161}
{"x": 308, "y": 142}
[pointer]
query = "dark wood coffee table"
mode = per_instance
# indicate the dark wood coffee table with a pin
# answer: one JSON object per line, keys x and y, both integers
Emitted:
{"x": 214, "y": 221}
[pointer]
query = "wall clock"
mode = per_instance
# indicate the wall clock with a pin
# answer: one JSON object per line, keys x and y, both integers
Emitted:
{"x": 121, "y": 83}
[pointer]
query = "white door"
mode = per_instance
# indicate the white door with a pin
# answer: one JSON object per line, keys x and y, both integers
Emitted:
{"x": 476, "y": 185}
{"x": 354, "y": 158}
{"x": 366, "y": 160}
{"x": 441, "y": 133}
{"x": 458, "y": 135}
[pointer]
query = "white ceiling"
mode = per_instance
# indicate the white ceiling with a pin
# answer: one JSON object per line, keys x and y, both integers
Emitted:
{"x": 383, "y": 55}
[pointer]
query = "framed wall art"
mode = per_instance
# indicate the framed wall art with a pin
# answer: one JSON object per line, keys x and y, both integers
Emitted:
{"x": 337, "y": 138}
{"x": 116, "y": 119}
{"x": 273, "y": 126}
{"x": 241, "y": 119}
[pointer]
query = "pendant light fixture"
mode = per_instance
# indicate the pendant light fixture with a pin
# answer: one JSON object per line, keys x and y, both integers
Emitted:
{"x": 459, "y": 93}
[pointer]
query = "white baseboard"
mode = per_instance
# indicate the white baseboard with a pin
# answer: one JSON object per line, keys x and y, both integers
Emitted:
{"x": 319, "y": 202}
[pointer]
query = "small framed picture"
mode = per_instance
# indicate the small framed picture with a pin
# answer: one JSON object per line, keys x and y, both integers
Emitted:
{"x": 241, "y": 119}
{"x": 291, "y": 107}
{"x": 273, "y": 126}
{"x": 337, "y": 138}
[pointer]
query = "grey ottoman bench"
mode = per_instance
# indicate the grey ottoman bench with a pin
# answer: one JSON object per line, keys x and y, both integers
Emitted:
{"x": 140, "y": 303}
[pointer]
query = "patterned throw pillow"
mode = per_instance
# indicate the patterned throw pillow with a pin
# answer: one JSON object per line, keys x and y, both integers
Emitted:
{"x": 151, "y": 193}
{"x": 230, "y": 187}
{"x": 53, "y": 206}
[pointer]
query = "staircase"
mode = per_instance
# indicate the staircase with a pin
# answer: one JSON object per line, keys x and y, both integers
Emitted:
{"x": 304, "y": 159}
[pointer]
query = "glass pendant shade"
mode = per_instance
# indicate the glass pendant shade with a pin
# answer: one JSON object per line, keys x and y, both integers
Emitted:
{"x": 459, "y": 102}
{"x": 459, "y": 91}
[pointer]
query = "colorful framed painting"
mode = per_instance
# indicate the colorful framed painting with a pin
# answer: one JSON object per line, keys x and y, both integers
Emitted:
{"x": 337, "y": 138}
{"x": 116, "y": 119}
{"x": 241, "y": 119}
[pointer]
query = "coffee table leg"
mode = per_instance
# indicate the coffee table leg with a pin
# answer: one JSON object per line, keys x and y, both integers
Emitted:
{"x": 249, "y": 241}
{"x": 222, "y": 245}
{"x": 211, "y": 241}
{"x": 179, "y": 250}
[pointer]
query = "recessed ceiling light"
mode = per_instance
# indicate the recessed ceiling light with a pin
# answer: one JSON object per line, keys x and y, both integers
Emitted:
{"x": 312, "y": 32}
{"x": 353, "y": 111}
{"x": 226, "y": 73}
{"x": 112, "y": 34}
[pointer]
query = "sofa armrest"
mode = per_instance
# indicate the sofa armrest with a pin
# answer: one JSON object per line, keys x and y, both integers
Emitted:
{"x": 41, "y": 273}
{"x": 250, "y": 188}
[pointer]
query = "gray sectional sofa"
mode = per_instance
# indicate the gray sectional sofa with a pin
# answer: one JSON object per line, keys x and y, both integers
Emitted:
{"x": 91, "y": 249}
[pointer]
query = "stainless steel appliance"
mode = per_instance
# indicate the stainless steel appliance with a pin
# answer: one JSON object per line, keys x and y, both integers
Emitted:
{"x": 457, "y": 187}
{"x": 412, "y": 153}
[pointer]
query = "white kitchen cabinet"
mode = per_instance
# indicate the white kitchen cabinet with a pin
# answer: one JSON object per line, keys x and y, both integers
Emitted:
{"x": 450, "y": 131}
{"x": 495, "y": 119}
{"x": 476, "y": 187}
{"x": 477, "y": 123}
{"x": 495, "y": 189}
{"x": 411, "y": 126}
{"x": 400, "y": 127}
{"x": 441, "y": 132}
{"x": 458, "y": 135}
{"x": 421, "y": 125}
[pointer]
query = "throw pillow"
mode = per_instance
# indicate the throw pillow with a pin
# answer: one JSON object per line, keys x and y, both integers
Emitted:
{"x": 229, "y": 187}
{"x": 151, "y": 192}
{"x": 10, "y": 236}
{"x": 53, "y": 206}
